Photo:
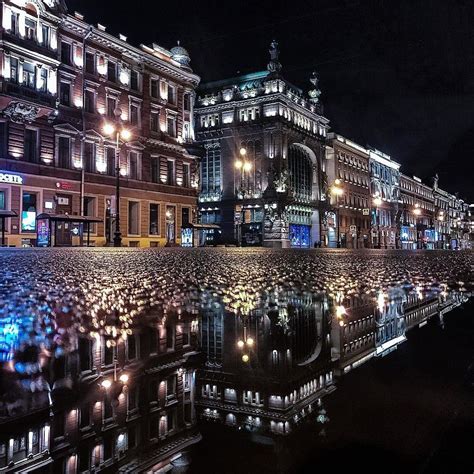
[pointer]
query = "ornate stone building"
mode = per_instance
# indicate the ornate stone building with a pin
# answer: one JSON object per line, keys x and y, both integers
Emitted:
{"x": 385, "y": 207}
{"x": 348, "y": 172}
{"x": 61, "y": 81}
{"x": 263, "y": 177}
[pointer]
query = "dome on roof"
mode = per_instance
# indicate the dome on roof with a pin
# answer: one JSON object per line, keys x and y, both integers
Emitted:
{"x": 180, "y": 55}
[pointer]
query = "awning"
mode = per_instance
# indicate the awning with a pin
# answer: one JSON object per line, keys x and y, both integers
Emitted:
{"x": 68, "y": 218}
{"x": 8, "y": 214}
{"x": 201, "y": 226}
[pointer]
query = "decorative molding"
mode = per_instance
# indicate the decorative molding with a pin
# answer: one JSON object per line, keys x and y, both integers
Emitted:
{"x": 19, "y": 112}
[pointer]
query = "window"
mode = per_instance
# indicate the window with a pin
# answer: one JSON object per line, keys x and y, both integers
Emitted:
{"x": 89, "y": 210}
{"x": 131, "y": 347}
{"x": 133, "y": 165}
{"x": 44, "y": 80}
{"x": 155, "y": 121}
{"x": 30, "y": 29}
{"x": 112, "y": 71}
{"x": 154, "y": 219}
{"x": 90, "y": 63}
{"x": 89, "y": 101}
{"x": 85, "y": 354}
{"x": 211, "y": 170}
{"x": 170, "y": 176}
{"x": 15, "y": 22}
{"x": 85, "y": 415}
{"x": 186, "y": 175}
{"x": 89, "y": 157}
{"x": 172, "y": 94}
{"x": 110, "y": 156}
{"x": 155, "y": 169}
{"x": 111, "y": 106}
{"x": 3, "y": 139}
{"x": 107, "y": 354}
{"x": 29, "y": 75}
{"x": 185, "y": 215}
{"x": 66, "y": 53}
{"x": 3, "y": 206}
{"x": 133, "y": 215}
{"x": 171, "y": 387}
{"x": 187, "y": 102}
{"x": 64, "y": 152}
{"x": 135, "y": 114}
{"x": 134, "y": 80}
{"x": 46, "y": 34}
{"x": 169, "y": 337}
{"x": 14, "y": 70}
{"x": 65, "y": 93}
{"x": 132, "y": 395}
{"x": 171, "y": 125}
{"x": 154, "y": 88}
{"x": 30, "y": 145}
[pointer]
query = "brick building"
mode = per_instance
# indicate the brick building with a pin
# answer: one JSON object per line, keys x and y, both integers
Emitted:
{"x": 61, "y": 81}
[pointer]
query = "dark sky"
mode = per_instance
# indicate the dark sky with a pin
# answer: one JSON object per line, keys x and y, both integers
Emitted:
{"x": 395, "y": 74}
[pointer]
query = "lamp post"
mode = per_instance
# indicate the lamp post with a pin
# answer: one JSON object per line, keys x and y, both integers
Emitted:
{"x": 336, "y": 190}
{"x": 417, "y": 213}
{"x": 243, "y": 166}
{"x": 245, "y": 345}
{"x": 377, "y": 203}
{"x": 120, "y": 133}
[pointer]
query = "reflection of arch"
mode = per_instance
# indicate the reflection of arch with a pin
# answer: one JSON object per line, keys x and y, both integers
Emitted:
{"x": 303, "y": 170}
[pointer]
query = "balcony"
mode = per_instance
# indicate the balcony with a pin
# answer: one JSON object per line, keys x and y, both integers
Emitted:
{"x": 26, "y": 93}
{"x": 31, "y": 44}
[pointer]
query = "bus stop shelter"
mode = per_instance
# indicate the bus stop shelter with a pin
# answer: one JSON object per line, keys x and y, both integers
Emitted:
{"x": 56, "y": 230}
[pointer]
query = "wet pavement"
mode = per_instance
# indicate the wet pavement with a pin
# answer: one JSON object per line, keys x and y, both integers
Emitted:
{"x": 407, "y": 407}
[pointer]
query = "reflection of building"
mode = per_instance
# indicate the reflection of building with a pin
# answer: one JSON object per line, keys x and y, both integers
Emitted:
{"x": 385, "y": 190}
{"x": 266, "y": 368}
{"x": 349, "y": 163}
{"x": 262, "y": 176}
{"x": 61, "y": 79}
{"x": 76, "y": 404}
{"x": 418, "y": 216}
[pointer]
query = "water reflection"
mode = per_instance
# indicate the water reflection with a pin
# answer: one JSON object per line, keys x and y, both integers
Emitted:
{"x": 114, "y": 358}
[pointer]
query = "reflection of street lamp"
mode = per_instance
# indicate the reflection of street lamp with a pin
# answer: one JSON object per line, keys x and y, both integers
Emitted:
{"x": 337, "y": 191}
{"x": 120, "y": 132}
{"x": 245, "y": 345}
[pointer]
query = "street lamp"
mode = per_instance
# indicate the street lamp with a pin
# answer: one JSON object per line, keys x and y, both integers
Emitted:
{"x": 245, "y": 345}
{"x": 123, "y": 133}
{"x": 377, "y": 203}
{"x": 337, "y": 191}
{"x": 417, "y": 213}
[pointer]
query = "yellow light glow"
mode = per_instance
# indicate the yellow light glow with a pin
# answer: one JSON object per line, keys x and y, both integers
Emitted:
{"x": 417, "y": 211}
{"x": 126, "y": 134}
{"x": 124, "y": 378}
{"x": 245, "y": 358}
{"x": 337, "y": 182}
{"x": 108, "y": 129}
{"x": 247, "y": 166}
{"x": 106, "y": 383}
{"x": 243, "y": 151}
{"x": 337, "y": 191}
{"x": 250, "y": 341}
{"x": 238, "y": 164}
{"x": 340, "y": 311}
{"x": 240, "y": 344}
{"x": 378, "y": 201}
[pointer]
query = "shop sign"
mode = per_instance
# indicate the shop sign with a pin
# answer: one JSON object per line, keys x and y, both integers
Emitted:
{"x": 365, "y": 212}
{"x": 10, "y": 178}
{"x": 64, "y": 185}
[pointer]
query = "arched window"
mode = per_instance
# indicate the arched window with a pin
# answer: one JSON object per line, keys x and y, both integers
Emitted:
{"x": 301, "y": 173}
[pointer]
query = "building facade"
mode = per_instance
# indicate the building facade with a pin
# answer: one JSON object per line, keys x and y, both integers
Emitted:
{"x": 62, "y": 80}
{"x": 385, "y": 191}
{"x": 417, "y": 226}
{"x": 263, "y": 177}
{"x": 347, "y": 165}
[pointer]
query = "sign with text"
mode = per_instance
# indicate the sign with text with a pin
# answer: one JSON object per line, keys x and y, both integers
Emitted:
{"x": 10, "y": 178}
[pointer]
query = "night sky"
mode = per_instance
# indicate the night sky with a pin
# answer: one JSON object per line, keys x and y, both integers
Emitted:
{"x": 397, "y": 75}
